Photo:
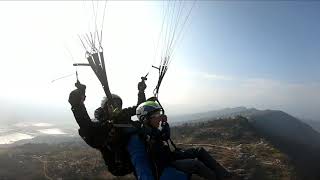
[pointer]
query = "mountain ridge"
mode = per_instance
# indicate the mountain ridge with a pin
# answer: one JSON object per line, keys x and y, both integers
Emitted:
{"x": 233, "y": 142}
{"x": 270, "y": 132}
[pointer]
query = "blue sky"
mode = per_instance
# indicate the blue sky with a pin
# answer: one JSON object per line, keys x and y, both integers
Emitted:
{"x": 255, "y": 54}
{"x": 276, "y": 40}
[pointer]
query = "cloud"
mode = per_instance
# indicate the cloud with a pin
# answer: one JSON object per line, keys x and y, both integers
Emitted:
{"x": 51, "y": 131}
{"x": 215, "y": 76}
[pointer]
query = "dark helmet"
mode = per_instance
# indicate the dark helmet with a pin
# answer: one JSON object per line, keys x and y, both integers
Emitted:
{"x": 116, "y": 100}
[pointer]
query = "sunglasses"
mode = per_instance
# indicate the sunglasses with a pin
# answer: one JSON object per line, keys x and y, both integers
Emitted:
{"x": 161, "y": 117}
{"x": 155, "y": 116}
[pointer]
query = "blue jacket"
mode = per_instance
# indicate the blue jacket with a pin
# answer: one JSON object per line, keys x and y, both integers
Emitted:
{"x": 142, "y": 164}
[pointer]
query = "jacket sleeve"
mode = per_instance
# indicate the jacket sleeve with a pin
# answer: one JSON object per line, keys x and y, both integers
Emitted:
{"x": 83, "y": 119}
{"x": 139, "y": 158}
{"x": 76, "y": 98}
{"x": 141, "y": 97}
{"x": 81, "y": 115}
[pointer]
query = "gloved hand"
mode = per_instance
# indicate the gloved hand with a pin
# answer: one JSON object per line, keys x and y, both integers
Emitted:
{"x": 164, "y": 119}
{"x": 142, "y": 86}
{"x": 77, "y": 96}
{"x": 81, "y": 87}
{"x": 165, "y": 131}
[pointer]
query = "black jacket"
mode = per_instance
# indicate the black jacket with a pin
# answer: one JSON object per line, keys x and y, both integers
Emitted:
{"x": 95, "y": 132}
{"x": 158, "y": 147}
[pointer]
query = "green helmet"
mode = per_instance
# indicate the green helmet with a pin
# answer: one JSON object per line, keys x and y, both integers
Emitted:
{"x": 146, "y": 109}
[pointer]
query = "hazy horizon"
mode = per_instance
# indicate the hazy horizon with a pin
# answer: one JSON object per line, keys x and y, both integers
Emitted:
{"x": 65, "y": 117}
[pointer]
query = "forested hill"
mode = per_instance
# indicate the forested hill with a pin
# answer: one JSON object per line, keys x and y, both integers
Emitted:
{"x": 233, "y": 142}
